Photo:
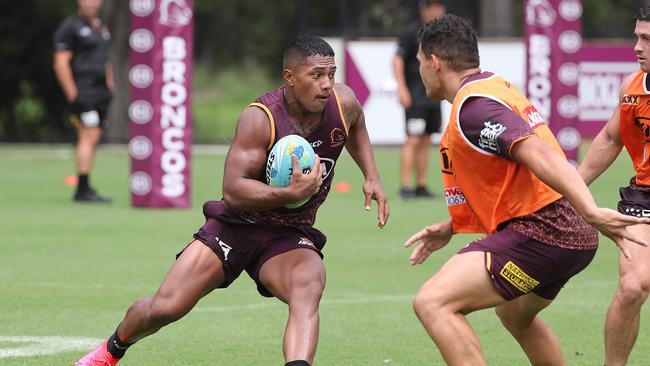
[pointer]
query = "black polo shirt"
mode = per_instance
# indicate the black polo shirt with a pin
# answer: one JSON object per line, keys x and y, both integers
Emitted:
{"x": 408, "y": 47}
{"x": 89, "y": 47}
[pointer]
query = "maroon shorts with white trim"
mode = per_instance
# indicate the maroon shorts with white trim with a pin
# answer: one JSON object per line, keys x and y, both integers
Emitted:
{"x": 243, "y": 246}
{"x": 519, "y": 264}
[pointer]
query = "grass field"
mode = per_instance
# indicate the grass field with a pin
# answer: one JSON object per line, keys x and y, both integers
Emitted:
{"x": 70, "y": 270}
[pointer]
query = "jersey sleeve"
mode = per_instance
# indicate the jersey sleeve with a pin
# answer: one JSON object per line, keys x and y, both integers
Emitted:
{"x": 491, "y": 126}
{"x": 64, "y": 37}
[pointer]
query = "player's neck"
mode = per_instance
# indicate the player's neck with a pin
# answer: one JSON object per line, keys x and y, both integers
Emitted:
{"x": 457, "y": 80}
{"x": 91, "y": 19}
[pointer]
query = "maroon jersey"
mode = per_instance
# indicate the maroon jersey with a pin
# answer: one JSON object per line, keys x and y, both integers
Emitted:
{"x": 327, "y": 139}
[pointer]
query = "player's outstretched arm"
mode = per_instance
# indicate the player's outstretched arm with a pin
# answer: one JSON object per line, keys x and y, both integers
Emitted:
{"x": 607, "y": 144}
{"x": 429, "y": 239}
{"x": 554, "y": 170}
{"x": 360, "y": 149}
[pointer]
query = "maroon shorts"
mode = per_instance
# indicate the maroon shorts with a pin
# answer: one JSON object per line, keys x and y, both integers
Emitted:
{"x": 519, "y": 264}
{"x": 247, "y": 247}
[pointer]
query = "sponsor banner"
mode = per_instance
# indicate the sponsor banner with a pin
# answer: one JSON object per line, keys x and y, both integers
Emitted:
{"x": 160, "y": 77}
{"x": 603, "y": 67}
{"x": 552, "y": 32}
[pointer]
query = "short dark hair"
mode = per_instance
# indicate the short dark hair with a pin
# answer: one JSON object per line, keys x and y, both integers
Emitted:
{"x": 452, "y": 39}
{"x": 643, "y": 14}
{"x": 302, "y": 47}
{"x": 424, "y": 3}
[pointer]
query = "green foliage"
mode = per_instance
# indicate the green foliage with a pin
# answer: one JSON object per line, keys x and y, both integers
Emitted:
{"x": 608, "y": 19}
{"x": 220, "y": 97}
{"x": 27, "y": 77}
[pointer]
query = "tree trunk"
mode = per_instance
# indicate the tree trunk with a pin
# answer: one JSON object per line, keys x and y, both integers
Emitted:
{"x": 117, "y": 16}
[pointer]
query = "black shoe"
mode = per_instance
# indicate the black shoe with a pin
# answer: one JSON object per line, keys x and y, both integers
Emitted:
{"x": 406, "y": 193}
{"x": 423, "y": 192}
{"x": 90, "y": 195}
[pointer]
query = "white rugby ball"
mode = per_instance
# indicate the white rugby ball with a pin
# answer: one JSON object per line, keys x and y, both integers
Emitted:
{"x": 279, "y": 165}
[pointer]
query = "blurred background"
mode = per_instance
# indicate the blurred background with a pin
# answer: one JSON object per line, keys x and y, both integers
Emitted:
{"x": 238, "y": 49}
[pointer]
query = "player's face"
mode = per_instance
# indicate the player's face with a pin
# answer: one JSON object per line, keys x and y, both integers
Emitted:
{"x": 312, "y": 81}
{"x": 642, "y": 46}
{"x": 90, "y": 8}
{"x": 429, "y": 76}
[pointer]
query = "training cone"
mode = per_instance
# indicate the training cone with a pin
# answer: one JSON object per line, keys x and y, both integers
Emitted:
{"x": 342, "y": 187}
{"x": 70, "y": 181}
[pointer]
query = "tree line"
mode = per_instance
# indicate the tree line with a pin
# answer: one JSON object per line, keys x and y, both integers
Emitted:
{"x": 227, "y": 33}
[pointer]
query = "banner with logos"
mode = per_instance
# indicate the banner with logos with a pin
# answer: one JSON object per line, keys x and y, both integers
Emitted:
{"x": 603, "y": 66}
{"x": 552, "y": 33}
{"x": 160, "y": 77}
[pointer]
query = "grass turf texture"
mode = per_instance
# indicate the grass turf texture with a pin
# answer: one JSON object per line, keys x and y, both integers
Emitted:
{"x": 72, "y": 270}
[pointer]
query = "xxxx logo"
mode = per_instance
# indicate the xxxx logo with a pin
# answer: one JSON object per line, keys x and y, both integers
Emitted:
{"x": 630, "y": 100}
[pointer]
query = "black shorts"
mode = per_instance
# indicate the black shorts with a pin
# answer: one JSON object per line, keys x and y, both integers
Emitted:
{"x": 422, "y": 121}
{"x": 247, "y": 246}
{"x": 90, "y": 112}
{"x": 635, "y": 200}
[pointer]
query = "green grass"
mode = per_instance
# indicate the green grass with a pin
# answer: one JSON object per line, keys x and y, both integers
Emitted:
{"x": 72, "y": 270}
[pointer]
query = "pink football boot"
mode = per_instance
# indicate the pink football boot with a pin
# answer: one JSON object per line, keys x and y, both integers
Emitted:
{"x": 98, "y": 357}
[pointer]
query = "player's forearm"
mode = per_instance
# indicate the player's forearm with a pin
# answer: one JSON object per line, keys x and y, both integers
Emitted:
{"x": 398, "y": 70}
{"x": 601, "y": 154}
{"x": 66, "y": 80}
{"x": 360, "y": 150}
{"x": 556, "y": 172}
{"x": 110, "y": 80}
{"x": 252, "y": 195}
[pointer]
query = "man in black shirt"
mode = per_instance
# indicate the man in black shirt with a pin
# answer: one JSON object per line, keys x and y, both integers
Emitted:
{"x": 422, "y": 115}
{"x": 81, "y": 65}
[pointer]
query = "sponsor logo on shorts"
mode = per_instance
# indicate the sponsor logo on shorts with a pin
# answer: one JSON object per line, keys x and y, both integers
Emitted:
{"x": 454, "y": 196}
{"x": 637, "y": 212}
{"x": 224, "y": 247}
{"x": 518, "y": 278}
{"x": 631, "y": 100}
{"x": 307, "y": 242}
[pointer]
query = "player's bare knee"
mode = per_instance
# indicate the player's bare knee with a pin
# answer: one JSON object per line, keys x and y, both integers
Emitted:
{"x": 307, "y": 290}
{"x": 427, "y": 304}
{"x": 632, "y": 291}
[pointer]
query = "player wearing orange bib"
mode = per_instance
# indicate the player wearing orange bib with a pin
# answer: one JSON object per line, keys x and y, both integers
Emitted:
{"x": 506, "y": 176}
{"x": 629, "y": 126}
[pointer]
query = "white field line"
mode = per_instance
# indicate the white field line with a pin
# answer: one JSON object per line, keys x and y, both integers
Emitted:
{"x": 26, "y": 346}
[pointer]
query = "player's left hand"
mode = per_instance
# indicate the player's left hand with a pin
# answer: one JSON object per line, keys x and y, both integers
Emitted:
{"x": 613, "y": 225}
{"x": 373, "y": 190}
{"x": 431, "y": 238}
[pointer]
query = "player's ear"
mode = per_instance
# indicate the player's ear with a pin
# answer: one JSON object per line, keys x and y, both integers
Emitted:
{"x": 287, "y": 75}
{"x": 436, "y": 62}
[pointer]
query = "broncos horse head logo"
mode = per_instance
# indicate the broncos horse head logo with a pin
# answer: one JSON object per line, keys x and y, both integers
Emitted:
{"x": 175, "y": 13}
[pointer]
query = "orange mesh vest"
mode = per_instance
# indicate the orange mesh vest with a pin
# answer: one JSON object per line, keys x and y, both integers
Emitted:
{"x": 482, "y": 189}
{"x": 635, "y": 125}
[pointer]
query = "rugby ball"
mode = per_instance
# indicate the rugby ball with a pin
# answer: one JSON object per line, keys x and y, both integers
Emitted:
{"x": 279, "y": 165}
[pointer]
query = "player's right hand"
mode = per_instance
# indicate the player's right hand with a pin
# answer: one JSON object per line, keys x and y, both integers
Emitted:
{"x": 305, "y": 185}
{"x": 429, "y": 239}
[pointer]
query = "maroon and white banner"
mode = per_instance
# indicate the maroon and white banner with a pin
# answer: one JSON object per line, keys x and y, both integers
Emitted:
{"x": 552, "y": 32}
{"x": 160, "y": 76}
{"x": 603, "y": 66}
